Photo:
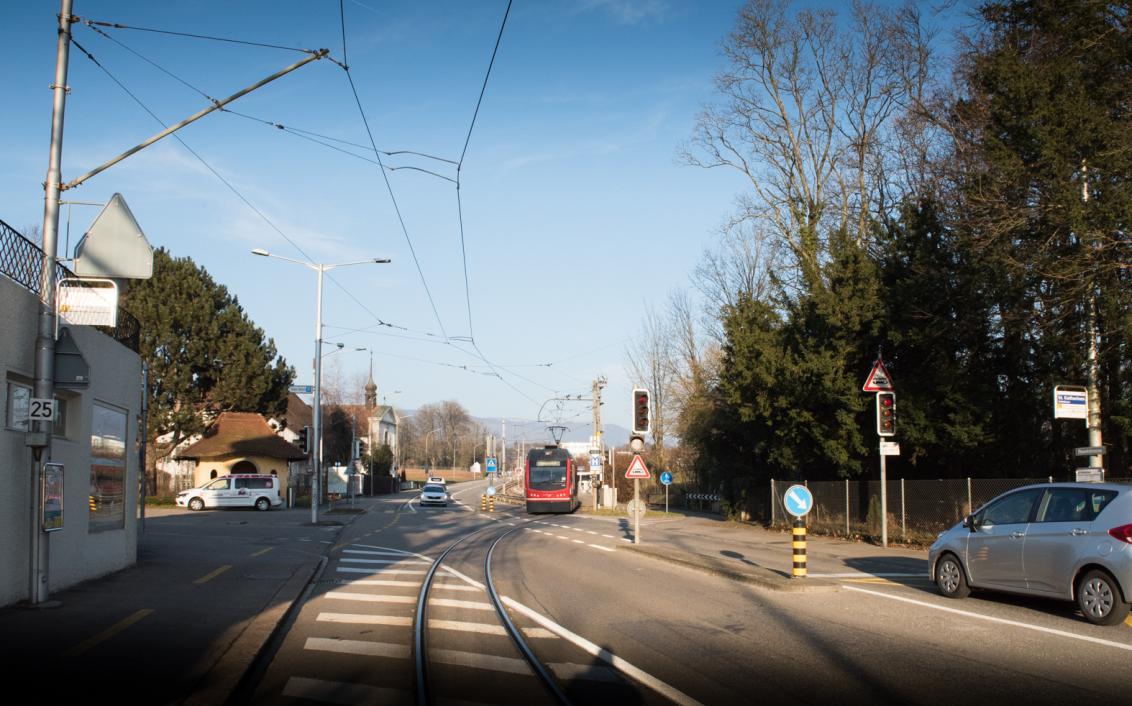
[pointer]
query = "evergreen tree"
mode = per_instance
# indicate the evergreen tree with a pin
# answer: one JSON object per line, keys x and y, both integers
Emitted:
{"x": 204, "y": 355}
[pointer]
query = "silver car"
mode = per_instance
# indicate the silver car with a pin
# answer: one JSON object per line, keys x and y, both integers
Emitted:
{"x": 1071, "y": 541}
{"x": 434, "y": 495}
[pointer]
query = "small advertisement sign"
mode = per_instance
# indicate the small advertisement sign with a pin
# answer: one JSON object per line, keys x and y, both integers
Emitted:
{"x": 52, "y": 515}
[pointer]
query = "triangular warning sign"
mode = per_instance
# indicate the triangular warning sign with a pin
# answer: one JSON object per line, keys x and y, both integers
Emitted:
{"x": 637, "y": 468}
{"x": 878, "y": 380}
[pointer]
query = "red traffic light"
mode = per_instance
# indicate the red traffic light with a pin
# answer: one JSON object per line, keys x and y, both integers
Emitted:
{"x": 642, "y": 418}
{"x": 886, "y": 413}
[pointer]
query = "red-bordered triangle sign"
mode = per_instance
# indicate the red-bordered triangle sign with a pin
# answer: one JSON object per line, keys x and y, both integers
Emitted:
{"x": 878, "y": 380}
{"x": 637, "y": 468}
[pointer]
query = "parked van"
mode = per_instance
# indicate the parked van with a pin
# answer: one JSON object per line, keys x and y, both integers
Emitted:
{"x": 242, "y": 490}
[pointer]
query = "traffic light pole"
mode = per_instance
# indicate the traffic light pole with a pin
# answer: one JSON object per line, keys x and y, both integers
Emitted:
{"x": 883, "y": 495}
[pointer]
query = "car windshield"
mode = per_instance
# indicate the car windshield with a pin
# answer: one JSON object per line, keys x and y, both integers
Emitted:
{"x": 433, "y": 489}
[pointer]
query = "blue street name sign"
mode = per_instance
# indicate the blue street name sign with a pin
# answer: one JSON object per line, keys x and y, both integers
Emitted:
{"x": 798, "y": 500}
{"x": 666, "y": 478}
{"x": 491, "y": 464}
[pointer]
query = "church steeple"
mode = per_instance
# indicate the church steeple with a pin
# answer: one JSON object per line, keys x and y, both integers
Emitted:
{"x": 371, "y": 388}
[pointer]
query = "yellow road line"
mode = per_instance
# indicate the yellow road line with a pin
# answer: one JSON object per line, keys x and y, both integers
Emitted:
{"x": 107, "y": 634}
{"x": 208, "y": 577}
{"x": 261, "y": 552}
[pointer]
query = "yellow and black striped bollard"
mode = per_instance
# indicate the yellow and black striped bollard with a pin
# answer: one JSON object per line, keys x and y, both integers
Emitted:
{"x": 491, "y": 503}
{"x": 483, "y": 502}
{"x": 799, "y": 545}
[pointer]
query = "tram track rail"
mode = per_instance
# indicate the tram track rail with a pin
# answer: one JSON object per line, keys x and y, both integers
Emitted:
{"x": 424, "y": 694}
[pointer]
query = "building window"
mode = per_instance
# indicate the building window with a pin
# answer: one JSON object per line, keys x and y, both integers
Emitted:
{"x": 107, "y": 469}
{"x": 19, "y": 401}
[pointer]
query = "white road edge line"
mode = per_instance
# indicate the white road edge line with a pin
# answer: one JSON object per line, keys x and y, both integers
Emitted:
{"x": 1001, "y": 621}
{"x": 670, "y": 692}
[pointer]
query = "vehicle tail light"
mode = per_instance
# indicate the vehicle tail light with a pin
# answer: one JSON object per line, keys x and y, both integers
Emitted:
{"x": 1123, "y": 533}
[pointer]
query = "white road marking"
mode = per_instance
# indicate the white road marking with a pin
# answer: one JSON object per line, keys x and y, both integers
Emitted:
{"x": 352, "y": 560}
{"x": 477, "y": 660}
{"x": 462, "y": 626}
{"x": 358, "y": 647}
{"x": 561, "y": 536}
{"x": 1001, "y": 621}
{"x": 591, "y": 532}
{"x": 375, "y": 571}
{"x": 454, "y": 603}
{"x": 608, "y": 536}
{"x": 358, "y": 619}
{"x": 369, "y": 597}
{"x": 569, "y": 672}
{"x": 598, "y": 546}
{"x": 371, "y": 552}
{"x": 578, "y": 541}
{"x": 669, "y": 692}
{"x": 867, "y": 575}
{"x": 335, "y": 692}
{"x": 626, "y": 539}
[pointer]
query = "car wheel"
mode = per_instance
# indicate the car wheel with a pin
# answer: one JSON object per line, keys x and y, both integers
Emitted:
{"x": 196, "y": 504}
{"x": 1098, "y": 597}
{"x": 950, "y": 579}
{"x": 263, "y": 504}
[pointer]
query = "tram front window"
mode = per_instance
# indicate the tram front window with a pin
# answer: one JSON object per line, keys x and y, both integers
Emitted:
{"x": 548, "y": 477}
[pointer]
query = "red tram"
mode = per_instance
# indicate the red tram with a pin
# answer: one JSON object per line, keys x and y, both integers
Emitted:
{"x": 551, "y": 480}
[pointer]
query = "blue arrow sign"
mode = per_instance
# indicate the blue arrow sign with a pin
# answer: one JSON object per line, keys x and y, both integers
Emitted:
{"x": 666, "y": 478}
{"x": 798, "y": 500}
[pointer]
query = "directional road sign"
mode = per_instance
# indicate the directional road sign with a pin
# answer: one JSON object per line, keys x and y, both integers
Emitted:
{"x": 666, "y": 478}
{"x": 302, "y": 389}
{"x": 637, "y": 468}
{"x": 798, "y": 500}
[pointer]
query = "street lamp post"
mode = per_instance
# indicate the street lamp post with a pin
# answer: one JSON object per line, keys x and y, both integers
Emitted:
{"x": 316, "y": 427}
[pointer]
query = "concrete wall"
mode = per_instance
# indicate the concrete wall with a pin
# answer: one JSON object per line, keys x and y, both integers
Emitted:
{"x": 76, "y": 553}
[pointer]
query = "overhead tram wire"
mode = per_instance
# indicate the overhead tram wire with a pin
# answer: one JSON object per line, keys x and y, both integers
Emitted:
{"x": 224, "y": 181}
{"x": 460, "y": 166}
{"x": 115, "y": 25}
{"x": 389, "y": 187}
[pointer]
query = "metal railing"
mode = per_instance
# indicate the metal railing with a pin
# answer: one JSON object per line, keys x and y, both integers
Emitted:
{"x": 22, "y": 261}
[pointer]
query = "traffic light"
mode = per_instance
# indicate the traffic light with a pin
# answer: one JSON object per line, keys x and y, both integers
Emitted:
{"x": 303, "y": 442}
{"x": 642, "y": 412}
{"x": 886, "y": 414}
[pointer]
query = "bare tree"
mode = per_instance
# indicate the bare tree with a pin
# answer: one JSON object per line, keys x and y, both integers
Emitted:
{"x": 649, "y": 360}
{"x": 805, "y": 103}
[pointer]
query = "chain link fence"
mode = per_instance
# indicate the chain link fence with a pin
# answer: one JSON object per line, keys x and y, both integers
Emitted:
{"x": 918, "y": 510}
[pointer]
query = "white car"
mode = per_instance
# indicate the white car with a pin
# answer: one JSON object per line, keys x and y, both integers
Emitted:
{"x": 243, "y": 490}
{"x": 433, "y": 494}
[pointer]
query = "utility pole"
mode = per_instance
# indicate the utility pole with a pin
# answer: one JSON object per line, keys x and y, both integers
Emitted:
{"x": 39, "y": 435}
{"x": 599, "y": 383}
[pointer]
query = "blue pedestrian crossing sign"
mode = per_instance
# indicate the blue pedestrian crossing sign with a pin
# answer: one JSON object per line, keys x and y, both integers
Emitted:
{"x": 666, "y": 478}
{"x": 491, "y": 464}
{"x": 798, "y": 500}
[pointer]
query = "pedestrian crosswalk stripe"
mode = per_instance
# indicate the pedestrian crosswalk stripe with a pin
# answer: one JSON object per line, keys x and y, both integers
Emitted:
{"x": 352, "y": 560}
{"x": 376, "y": 571}
{"x": 369, "y": 597}
{"x": 358, "y": 619}
{"x": 358, "y": 647}
{"x": 342, "y": 693}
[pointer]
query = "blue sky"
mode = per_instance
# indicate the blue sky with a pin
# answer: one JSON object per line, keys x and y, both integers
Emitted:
{"x": 577, "y": 212}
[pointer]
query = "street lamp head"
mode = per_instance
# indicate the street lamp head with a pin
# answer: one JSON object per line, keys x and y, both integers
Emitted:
{"x": 383, "y": 260}
{"x": 261, "y": 252}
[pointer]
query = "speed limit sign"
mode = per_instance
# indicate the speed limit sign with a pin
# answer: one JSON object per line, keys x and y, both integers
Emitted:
{"x": 41, "y": 410}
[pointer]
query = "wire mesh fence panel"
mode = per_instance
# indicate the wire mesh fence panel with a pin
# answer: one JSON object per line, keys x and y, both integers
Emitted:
{"x": 831, "y": 510}
{"x": 931, "y": 506}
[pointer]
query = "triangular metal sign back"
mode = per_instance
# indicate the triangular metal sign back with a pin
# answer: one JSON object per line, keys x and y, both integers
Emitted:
{"x": 115, "y": 245}
{"x": 637, "y": 468}
{"x": 878, "y": 380}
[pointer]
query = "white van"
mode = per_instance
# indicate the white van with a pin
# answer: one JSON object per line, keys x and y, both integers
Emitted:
{"x": 242, "y": 490}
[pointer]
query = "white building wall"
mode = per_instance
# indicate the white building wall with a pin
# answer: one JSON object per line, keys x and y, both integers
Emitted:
{"x": 76, "y": 554}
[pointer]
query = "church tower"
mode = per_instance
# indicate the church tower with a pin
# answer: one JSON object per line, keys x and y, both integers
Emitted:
{"x": 371, "y": 389}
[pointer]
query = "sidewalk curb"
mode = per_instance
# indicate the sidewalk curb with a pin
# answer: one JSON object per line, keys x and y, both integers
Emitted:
{"x": 754, "y": 575}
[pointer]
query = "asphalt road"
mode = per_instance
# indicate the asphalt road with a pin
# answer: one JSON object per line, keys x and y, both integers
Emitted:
{"x": 619, "y": 627}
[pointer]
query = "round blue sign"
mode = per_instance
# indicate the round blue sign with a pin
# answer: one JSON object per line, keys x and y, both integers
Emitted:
{"x": 666, "y": 478}
{"x": 798, "y": 500}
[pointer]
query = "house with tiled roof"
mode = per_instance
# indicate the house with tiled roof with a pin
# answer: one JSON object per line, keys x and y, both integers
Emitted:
{"x": 242, "y": 442}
